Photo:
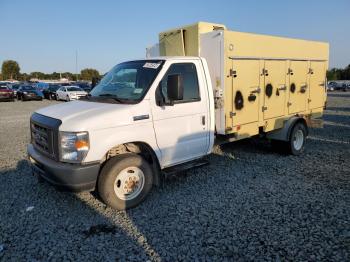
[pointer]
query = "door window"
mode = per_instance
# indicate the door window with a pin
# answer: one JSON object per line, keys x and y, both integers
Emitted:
{"x": 188, "y": 73}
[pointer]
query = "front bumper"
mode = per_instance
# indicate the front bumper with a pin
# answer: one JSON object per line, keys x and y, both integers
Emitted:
{"x": 72, "y": 177}
{"x": 32, "y": 97}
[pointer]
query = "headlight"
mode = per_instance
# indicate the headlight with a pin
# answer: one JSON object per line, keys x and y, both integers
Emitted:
{"x": 25, "y": 92}
{"x": 73, "y": 146}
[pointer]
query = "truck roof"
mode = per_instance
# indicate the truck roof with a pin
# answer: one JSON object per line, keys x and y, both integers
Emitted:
{"x": 173, "y": 58}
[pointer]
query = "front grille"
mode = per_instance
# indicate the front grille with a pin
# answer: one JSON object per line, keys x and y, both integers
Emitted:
{"x": 42, "y": 138}
{"x": 44, "y": 134}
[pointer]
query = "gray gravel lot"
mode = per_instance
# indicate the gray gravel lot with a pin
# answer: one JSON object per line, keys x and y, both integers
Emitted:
{"x": 250, "y": 203}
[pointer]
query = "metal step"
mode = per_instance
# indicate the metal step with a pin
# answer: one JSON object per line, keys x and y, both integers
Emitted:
{"x": 185, "y": 166}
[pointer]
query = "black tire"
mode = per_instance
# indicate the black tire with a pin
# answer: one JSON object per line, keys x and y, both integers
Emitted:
{"x": 67, "y": 99}
{"x": 299, "y": 129}
{"x": 109, "y": 175}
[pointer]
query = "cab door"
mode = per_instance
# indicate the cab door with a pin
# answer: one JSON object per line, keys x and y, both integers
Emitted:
{"x": 182, "y": 129}
{"x": 317, "y": 92}
{"x": 298, "y": 86}
{"x": 246, "y": 91}
{"x": 274, "y": 92}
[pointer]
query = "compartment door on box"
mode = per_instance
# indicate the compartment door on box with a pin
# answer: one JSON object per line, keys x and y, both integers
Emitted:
{"x": 246, "y": 91}
{"x": 317, "y": 92}
{"x": 298, "y": 93}
{"x": 274, "y": 90}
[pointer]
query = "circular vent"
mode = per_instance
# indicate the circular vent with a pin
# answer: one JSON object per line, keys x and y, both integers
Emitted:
{"x": 292, "y": 87}
{"x": 268, "y": 90}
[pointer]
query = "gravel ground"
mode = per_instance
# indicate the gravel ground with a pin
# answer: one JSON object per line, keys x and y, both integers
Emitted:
{"x": 250, "y": 203}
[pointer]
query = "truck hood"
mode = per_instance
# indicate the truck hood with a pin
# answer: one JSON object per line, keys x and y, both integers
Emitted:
{"x": 85, "y": 116}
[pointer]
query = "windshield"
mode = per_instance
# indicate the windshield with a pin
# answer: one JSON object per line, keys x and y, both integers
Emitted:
{"x": 128, "y": 81}
{"x": 73, "y": 88}
{"x": 28, "y": 88}
{"x": 54, "y": 87}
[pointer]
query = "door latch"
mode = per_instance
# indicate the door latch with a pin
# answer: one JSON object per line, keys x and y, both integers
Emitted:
{"x": 232, "y": 114}
{"x": 203, "y": 120}
{"x": 264, "y": 108}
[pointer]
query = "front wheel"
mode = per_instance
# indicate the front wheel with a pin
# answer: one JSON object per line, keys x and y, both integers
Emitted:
{"x": 124, "y": 181}
{"x": 67, "y": 99}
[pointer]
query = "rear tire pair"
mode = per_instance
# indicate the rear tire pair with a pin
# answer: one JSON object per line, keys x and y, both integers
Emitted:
{"x": 296, "y": 142}
{"x": 124, "y": 181}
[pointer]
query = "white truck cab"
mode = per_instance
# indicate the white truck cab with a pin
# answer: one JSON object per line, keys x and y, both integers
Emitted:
{"x": 144, "y": 116}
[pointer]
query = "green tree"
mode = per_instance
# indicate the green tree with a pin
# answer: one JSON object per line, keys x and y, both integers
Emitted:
{"x": 89, "y": 74}
{"x": 10, "y": 69}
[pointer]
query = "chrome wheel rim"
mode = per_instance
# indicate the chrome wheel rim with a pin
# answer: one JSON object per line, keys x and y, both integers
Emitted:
{"x": 298, "y": 139}
{"x": 129, "y": 183}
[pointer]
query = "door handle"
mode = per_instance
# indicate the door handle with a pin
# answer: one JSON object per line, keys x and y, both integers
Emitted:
{"x": 256, "y": 91}
{"x": 282, "y": 88}
{"x": 203, "y": 120}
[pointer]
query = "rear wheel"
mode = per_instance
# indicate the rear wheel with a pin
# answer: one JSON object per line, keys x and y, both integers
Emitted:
{"x": 125, "y": 181}
{"x": 67, "y": 98}
{"x": 296, "y": 143}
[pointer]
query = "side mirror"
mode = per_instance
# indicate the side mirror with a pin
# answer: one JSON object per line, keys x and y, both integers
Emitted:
{"x": 175, "y": 88}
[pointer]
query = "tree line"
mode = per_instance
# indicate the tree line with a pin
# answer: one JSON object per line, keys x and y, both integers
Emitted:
{"x": 339, "y": 74}
{"x": 11, "y": 70}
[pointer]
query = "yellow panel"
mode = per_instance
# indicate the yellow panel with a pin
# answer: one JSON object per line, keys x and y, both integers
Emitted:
{"x": 264, "y": 46}
{"x": 298, "y": 87}
{"x": 246, "y": 91}
{"x": 274, "y": 90}
{"x": 317, "y": 95}
{"x": 189, "y": 44}
{"x": 172, "y": 43}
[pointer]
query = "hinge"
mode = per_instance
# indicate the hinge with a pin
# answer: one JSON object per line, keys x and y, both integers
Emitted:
{"x": 232, "y": 114}
{"x": 233, "y": 73}
{"x": 289, "y": 104}
{"x": 290, "y": 71}
{"x": 311, "y": 71}
{"x": 264, "y": 108}
{"x": 264, "y": 72}
{"x": 309, "y": 100}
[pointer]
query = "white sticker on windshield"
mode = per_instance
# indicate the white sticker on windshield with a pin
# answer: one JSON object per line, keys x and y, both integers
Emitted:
{"x": 138, "y": 90}
{"x": 151, "y": 65}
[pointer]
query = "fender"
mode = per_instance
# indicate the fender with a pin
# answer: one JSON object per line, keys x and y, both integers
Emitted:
{"x": 283, "y": 134}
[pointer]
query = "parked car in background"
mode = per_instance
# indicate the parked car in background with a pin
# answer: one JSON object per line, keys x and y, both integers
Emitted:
{"x": 69, "y": 93}
{"x": 28, "y": 92}
{"x": 6, "y": 94}
{"x": 330, "y": 88}
{"x": 85, "y": 86}
{"x": 50, "y": 91}
{"x": 345, "y": 87}
{"x": 14, "y": 88}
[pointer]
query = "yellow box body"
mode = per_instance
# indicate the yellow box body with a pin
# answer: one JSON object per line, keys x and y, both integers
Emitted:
{"x": 259, "y": 81}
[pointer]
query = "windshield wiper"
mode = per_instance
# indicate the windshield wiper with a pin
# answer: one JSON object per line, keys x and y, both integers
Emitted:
{"x": 111, "y": 96}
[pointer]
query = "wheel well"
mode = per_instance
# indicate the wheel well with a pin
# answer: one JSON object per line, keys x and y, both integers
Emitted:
{"x": 142, "y": 149}
{"x": 299, "y": 120}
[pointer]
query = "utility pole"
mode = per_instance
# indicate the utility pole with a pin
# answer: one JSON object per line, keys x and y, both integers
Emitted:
{"x": 76, "y": 65}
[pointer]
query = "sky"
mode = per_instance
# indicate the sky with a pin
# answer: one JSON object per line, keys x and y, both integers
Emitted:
{"x": 44, "y": 35}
